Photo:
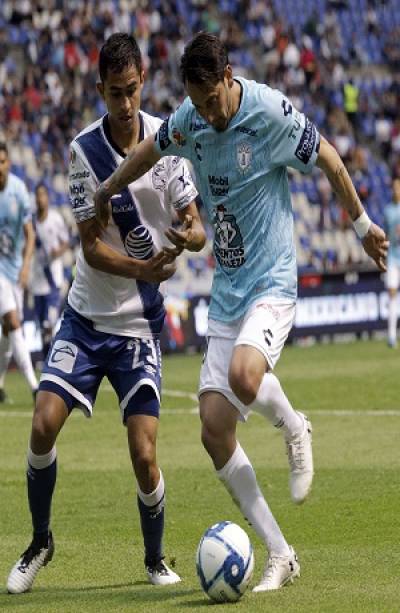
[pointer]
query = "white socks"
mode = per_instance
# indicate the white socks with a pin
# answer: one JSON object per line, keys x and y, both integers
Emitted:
{"x": 41, "y": 461}
{"x": 239, "y": 478}
{"x": 22, "y": 356}
{"x": 272, "y": 402}
{"x": 152, "y": 499}
{"x": 392, "y": 320}
{"x": 5, "y": 357}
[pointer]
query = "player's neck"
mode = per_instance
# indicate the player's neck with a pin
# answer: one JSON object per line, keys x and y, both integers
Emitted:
{"x": 42, "y": 215}
{"x": 236, "y": 97}
{"x": 125, "y": 139}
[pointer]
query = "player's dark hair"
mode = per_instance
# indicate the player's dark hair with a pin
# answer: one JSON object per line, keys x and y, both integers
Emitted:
{"x": 3, "y": 147}
{"x": 204, "y": 60}
{"x": 39, "y": 185}
{"x": 118, "y": 52}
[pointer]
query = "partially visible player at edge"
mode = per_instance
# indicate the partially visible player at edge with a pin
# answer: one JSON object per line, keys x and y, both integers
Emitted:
{"x": 52, "y": 241}
{"x": 17, "y": 242}
{"x": 115, "y": 310}
{"x": 392, "y": 227}
{"x": 240, "y": 137}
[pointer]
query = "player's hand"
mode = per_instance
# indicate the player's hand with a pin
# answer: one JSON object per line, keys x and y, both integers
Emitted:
{"x": 24, "y": 277}
{"x": 376, "y": 245}
{"x": 102, "y": 205}
{"x": 182, "y": 239}
{"x": 158, "y": 268}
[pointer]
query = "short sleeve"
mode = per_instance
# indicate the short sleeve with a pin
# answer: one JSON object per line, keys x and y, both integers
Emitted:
{"x": 293, "y": 139}
{"x": 82, "y": 186}
{"x": 181, "y": 189}
{"x": 171, "y": 138}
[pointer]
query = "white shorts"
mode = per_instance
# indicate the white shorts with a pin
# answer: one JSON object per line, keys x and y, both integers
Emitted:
{"x": 265, "y": 326}
{"x": 392, "y": 278}
{"x": 11, "y": 297}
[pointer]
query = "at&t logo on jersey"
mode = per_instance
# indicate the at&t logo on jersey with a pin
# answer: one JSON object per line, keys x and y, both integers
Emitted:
{"x": 228, "y": 242}
{"x": 139, "y": 243}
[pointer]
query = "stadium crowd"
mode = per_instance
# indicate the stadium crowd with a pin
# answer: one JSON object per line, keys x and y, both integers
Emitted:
{"x": 336, "y": 60}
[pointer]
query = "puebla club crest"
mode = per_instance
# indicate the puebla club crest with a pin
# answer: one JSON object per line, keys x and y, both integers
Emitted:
{"x": 244, "y": 155}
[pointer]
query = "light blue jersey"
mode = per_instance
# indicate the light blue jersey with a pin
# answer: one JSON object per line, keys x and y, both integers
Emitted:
{"x": 15, "y": 211}
{"x": 242, "y": 178}
{"x": 392, "y": 229}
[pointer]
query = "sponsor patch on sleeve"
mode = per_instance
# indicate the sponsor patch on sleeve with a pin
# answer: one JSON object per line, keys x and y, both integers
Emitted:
{"x": 307, "y": 142}
{"x": 162, "y": 136}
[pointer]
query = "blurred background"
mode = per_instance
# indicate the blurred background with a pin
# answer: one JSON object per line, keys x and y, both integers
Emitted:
{"x": 338, "y": 61}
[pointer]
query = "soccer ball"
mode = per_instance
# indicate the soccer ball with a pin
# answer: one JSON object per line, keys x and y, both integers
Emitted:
{"x": 225, "y": 562}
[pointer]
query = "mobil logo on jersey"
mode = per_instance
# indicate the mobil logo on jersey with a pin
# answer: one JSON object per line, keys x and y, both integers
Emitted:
{"x": 244, "y": 155}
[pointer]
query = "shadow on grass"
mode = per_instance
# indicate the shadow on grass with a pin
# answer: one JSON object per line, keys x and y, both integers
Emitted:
{"x": 111, "y": 597}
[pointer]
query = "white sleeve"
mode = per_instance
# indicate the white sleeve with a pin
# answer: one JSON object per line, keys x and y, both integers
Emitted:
{"x": 181, "y": 189}
{"x": 82, "y": 185}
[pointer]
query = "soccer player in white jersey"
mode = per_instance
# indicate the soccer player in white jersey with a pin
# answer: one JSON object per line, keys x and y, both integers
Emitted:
{"x": 17, "y": 240}
{"x": 115, "y": 308}
{"x": 52, "y": 241}
{"x": 240, "y": 137}
{"x": 392, "y": 227}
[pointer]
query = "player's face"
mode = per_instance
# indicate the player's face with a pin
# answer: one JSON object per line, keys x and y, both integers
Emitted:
{"x": 214, "y": 103}
{"x": 4, "y": 169}
{"x": 122, "y": 93}
{"x": 42, "y": 199}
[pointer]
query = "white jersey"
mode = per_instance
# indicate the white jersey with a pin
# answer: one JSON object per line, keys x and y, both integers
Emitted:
{"x": 140, "y": 214}
{"x": 48, "y": 273}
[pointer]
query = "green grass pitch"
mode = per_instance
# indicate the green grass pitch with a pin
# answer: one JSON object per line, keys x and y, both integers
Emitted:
{"x": 346, "y": 534}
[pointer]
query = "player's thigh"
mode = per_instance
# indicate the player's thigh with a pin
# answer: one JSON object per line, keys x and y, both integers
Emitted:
{"x": 135, "y": 375}
{"x": 11, "y": 300}
{"x": 265, "y": 328}
{"x": 215, "y": 369}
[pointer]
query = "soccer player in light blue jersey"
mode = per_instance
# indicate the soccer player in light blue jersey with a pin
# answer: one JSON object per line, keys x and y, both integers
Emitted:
{"x": 240, "y": 137}
{"x": 392, "y": 228}
{"x": 17, "y": 240}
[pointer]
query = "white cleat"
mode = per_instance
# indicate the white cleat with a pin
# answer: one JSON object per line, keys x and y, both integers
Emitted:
{"x": 161, "y": 574}
{"x": 299, "y": 450}
{"x": 23, "y": 573}
{"x": 279, "y": 571}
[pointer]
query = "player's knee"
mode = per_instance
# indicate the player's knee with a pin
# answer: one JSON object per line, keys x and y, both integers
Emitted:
{"x": 143, "y": 459}
{"x": 244, "y": 383}
{"x": 43, "y": 427}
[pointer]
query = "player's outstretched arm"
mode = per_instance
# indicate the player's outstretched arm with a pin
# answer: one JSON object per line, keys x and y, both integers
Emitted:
{"x": 191, "y": 235}
{"x": 138, "y": 161}
{"x": 372, "y": 236}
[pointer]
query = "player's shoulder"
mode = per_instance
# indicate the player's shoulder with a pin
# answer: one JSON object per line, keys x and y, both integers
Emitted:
{"x": 260, "y": 99}
{"x": 93, "y": 127}
{"x": 16, "y": 185}
{"x": 151, "y": 123}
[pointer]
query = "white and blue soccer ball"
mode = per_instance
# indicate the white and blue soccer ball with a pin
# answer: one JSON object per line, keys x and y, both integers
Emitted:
{"x": 225, "y": 562}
